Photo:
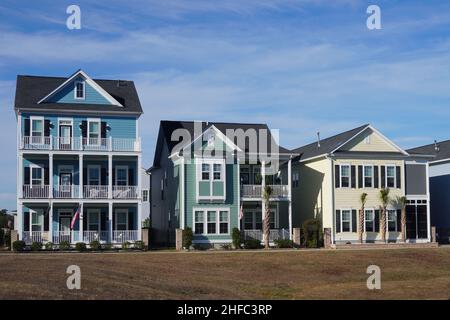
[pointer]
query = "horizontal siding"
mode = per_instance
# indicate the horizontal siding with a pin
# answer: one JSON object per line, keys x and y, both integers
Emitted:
{"x": 377, "y": 143}
{"x": 66, "y": 95}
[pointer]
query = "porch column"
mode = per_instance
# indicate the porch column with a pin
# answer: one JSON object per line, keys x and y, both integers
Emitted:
{"x": 110, "y": 171}
{"x": 263, "y": 204}
{"x": 290, "y": 196}
{"x": 139, "y": 222}
{"x": 50, "y": 175}
{"x": 80, "y": 175}
{"x": 20, "y": 220}
{"x": 50, "y": 223}
{"x": 20, "y": 175}
{"x": 110, "y": 221}
{"x": 81, "y": 223}
{"x": 139, "y": 177}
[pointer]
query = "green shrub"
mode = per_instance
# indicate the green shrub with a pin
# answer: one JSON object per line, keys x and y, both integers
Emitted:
{"x": 95, "y": 245}
{"x": 126, "y": 245}
{"x": 80, "y": 246}
{"x": 49, "y": 246}
{"x": 8, "y": 239}
{"x": 187, "y": 238}
{"x": 146, "y": 223}
{"x": 2, "y": 237}
{"x": 284, "y": 243}
{"x": 107, "y": 246}
{"x": 236, "y": 237}
{"x": 36, "y": 246}
{"x": 140, "y": 245}
{"x": 252, "y": 244}
{"x": 312, "y": 233}
{"x": 64, "y": 245}
{"x": 226, "y": 246}
{"x": 19, "y": 245}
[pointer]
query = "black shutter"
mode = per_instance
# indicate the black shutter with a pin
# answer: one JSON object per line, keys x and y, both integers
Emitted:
{"x": 83, "y": 129}
{"x": 377, "y": 220}
{"x": 399, "y": 177}
{"x": 338, "y": 221}
{"x": 104, "y": 219}
{"x": 399, "y": 220}
{"x": 383, "y": 176}
{"x": 46, "y": 220}
{"x": 353, "y": 173}
{"x": 46, "y": 176}
{"x": 131, "y": 221}
{"x": 103, "y": 177}
{"x": 85, "y": 220}
{"x": 26, "y": 175}
{"x": 85, "y": 182}
{"x": 114, "y": 220}
{"x": 354, "y": 221}
{"x": 114, "y": 176}
{"x": 47, "y": 128}
{"x": 360, "y": 176}
{"x": 103, "y": 129}
{"x": 26, "y": 221}
{"x": 130, "y": 177}
{"x": 26, "y": 129}
{"x": 337, "y": 176}
{"x": 376, "y": 177}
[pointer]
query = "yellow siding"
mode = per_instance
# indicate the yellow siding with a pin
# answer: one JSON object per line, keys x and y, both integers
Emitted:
{"x": 376, "y": 143}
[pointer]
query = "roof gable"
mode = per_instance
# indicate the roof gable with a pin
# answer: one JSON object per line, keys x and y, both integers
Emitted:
{"x": 370, "y": 140}
{"x": 440, "y": 151}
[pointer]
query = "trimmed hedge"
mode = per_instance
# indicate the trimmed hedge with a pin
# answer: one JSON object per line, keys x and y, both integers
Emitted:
{"x": 80, "y": 246}
{"x": 19, "y": 245}
{"x": 36, "y": 246}
{"x": 252, "y": 244}
{"x": 284, "y": 243}
{"x": 236, "y": 236}
{"x": 64, "y": 245}
{"x": 95, "y": 245}
{"x": 187, "y": 238}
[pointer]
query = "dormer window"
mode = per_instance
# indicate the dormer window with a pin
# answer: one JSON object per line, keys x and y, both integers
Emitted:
{"x": 79, "y": 90}
{"x": 211, "y": 140}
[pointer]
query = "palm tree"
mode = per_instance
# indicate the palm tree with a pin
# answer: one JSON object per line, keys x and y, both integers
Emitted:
{"x": 401, "y": 202}
{"x": 384, "y": 198}
{"x": 362, "y": 199}
{"x": 266, "y": 223}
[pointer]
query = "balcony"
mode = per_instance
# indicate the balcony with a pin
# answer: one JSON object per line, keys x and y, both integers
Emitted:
{"x": 125, "y": 192}
{"x": 254, "y": 191}
{"x": 275, "y": 234}
{"x": 80, "y": 144}
{"x": 35, "y": 191}
{"x": 73, "y": 192}
{"x": 72, "y": 236}
{"x": 95, "y": 192}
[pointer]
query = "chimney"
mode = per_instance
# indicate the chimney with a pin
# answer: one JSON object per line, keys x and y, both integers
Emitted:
{"x": 436, "y": 146}
{"x": 318, "y": 139}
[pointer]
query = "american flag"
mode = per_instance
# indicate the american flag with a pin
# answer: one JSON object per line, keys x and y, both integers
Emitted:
{"x": 75, "y": 217}
{"x": 241, "y": 212}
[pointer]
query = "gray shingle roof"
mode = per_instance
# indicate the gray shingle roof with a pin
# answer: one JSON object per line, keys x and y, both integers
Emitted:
{"x": 442, "y": 153}
{"x": 327, "y": 145}
{"x": 31, "y": 89}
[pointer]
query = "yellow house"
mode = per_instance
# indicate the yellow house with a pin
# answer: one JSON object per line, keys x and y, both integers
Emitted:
{"x": 330, "y": 175}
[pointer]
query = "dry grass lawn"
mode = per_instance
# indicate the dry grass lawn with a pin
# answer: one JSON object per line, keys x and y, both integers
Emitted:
{"x": 320, "y": 274}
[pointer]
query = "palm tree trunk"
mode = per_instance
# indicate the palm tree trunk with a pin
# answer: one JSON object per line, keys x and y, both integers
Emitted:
{"x": 266, "y": 226}
{"x": 403, "y": 224}
{"x": 361, "y": 225}
{"x": 383, "y": 224}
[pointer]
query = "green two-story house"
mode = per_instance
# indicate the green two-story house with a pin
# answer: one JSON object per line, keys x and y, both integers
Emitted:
{"x": 210, "y": 177}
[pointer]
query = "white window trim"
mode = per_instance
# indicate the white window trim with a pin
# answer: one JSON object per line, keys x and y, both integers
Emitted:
{"x": 205, "y": 221}
{"x": 75, "y": 90}
{"x": 37, "y": 211}
{"x": 98, "y": 167}
{"x": 387, "y": 220}
{"x": 364, "y": 175}
{"x": 373, "y": 221}
{"x": 255, "y": 212}
{"x": 211, "y": 162}
{"x": 63, "y": 213}
{"x": 66, "y": 168}
{"x": 89, "y": 120}
{"x": 367, "y": 139}
{"x": 349, "y": 175}
{"x": 386, "y": 176}
{"x": 342, "y": 220}
{"x": 67, "y": 124}
{"x": 37, "y": 118}
{"x": 36, "y": 166}
{"x": 93, "y": 211}
{"x": 147, "y": 192}
{"x": 126, "y": 169}
{"x": 121, "y": 210}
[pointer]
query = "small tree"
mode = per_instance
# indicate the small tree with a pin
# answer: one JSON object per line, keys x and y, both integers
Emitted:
{"x": 400, "y": 201}
{"x": 236, "y": 237}
{"x": 187, "y": 238}
{"x": 384, "y": 198}
{"x": 362, "y": 200}
{"x": 266, "y": 223}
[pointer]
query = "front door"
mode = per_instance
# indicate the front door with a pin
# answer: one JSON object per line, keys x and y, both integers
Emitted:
{"x": 64, "y": 228}
{"x": 416, "y": 220}
{"x": 65, "y": 137}
{"x": 65, "y": 182}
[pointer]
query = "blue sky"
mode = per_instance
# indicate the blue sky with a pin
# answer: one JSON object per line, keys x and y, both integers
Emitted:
{"x": 299, "y": 65}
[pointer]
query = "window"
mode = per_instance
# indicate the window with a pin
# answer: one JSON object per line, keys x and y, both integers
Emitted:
{"x": 94, "y": 131}
{"x": 211, "y": 140}
{"x": 257, "y": 179}
{"x": 392, "y": 220}
{"x": 37, "y": 221}
{"x": 217, "y": 171}
{"x": 205, "y": 171}
{"x": 272, "y": 220}
{"x": 295, "y": 179}
{"x": 94, "y": 220}
{"x": 253, "y": 220}
{"x": 346, "y": 220}
{"x": 369, "y": 220}
{"x": 211, "y": 222}
{"x": 37, "y": 177}
{"x": 345, "y": 176}
{"x": 37, "y": 130}
{"x": 258, "y": 220}
{"x": 368, "y": 176}
{"x": 223, "y": 222}
{"x": 145, "y": 195}
{"x": 79, "y": 90}
{"x": 121, "y": 220}
{"x": 248, "y": 220}
{"x": 121, "y": 175}
{"x": 390, "y": 176}
{"x": 94, "y": 176}
{"x": 198, "y": 222}
{"x": 245, "y": 175}
{"x": 367, "y": 139}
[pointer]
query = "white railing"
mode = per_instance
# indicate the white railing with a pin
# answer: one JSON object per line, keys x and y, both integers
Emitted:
{"x": 125, "y": 192}
{"x": 35, "y": 236}
{"x": 36, "y": 143}
{"x": 275, "y": 234}
{"x": 66, "y": 143}
{"x": 96, "y": 144}
{"x": 89, "y": 236}
{"x": 35, "y": 192}
{"x": 66, "y": 192}
{"x": 255, "y": 191}
{"x": 95, "y": 192}
{"x": 60, "y": 236}
{"x": 125, "y": 235}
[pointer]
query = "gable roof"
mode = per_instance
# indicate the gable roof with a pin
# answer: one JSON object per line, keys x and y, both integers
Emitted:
{"x": 167, "y": 127}
{"x": 443, "y": 152}
{"x": 332, "y": 144}
{"x": 30, "y": 90}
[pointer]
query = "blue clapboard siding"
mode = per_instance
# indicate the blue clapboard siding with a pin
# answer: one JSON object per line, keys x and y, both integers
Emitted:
{"x": 119, "y": 127}
{"x": 66, "y": 95}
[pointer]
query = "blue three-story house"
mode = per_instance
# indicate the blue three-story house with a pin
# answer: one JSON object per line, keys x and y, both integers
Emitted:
{"x": 79, "y": 158}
